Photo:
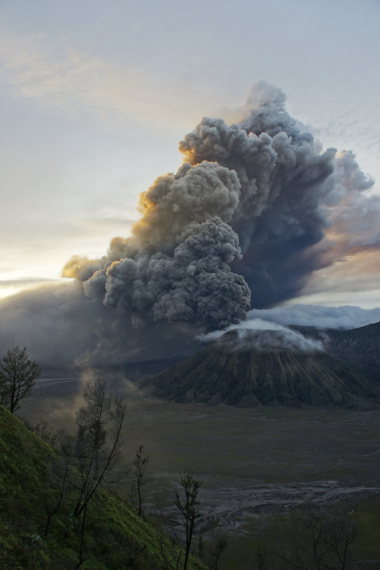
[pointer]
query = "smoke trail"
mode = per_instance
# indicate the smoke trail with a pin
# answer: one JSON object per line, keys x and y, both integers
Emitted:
{"x": 256, "y": 205}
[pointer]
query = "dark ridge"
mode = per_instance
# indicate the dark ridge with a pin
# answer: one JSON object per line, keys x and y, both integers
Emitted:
{"x": 360, "y": 346}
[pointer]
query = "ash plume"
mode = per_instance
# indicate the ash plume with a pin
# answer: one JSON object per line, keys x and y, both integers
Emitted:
{"x": 176, "y": 265}
{"x": 257, "y": 205}
{"x": 294, "y": 195}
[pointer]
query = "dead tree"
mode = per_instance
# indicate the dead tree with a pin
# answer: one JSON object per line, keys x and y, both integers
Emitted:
{"x": 17, "y": 376}
{"x": 319, "y": 540}
{"x": 139, "y": 467}
{"x": 188, "y": 505}
{"x": 99, "y": 424}
{"x": 212, "y": 553}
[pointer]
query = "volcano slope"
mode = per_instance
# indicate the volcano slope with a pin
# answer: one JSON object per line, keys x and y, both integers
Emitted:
{"x": 244, "y": 375}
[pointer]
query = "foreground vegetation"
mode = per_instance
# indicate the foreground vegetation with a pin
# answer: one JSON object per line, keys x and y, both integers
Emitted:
{"x": 46, "y": 521}
{"x": 312, "y": 537}
{"x": 38, "y": 529}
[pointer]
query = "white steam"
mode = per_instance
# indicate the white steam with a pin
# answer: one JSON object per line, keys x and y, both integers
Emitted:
{"x": 263, "y": 335}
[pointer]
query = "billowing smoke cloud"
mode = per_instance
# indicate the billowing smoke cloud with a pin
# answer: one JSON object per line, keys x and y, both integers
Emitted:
{"x": 301, "y": 209}
{"x": 263, "y": 336}
{"x": 176, "y": 267}
{"x": 257, "y": 205}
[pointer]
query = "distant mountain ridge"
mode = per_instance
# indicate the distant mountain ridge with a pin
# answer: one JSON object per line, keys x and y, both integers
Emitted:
{"x": 359, "y": 346}
{"x": 249, "y": 376}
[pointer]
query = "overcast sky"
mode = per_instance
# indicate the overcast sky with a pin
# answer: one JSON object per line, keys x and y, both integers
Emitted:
{"x": 95, "y": 96}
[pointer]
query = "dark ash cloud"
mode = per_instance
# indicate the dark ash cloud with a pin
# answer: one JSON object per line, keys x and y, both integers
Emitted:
{"x": 177, "y": 265}
{"x": 257, "y": 206}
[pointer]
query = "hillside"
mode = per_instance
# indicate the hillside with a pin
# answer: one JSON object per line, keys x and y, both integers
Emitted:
{"x": 248, "y": 377}
{"x": 360, "y": 346}
{"x": 115, "y": 538}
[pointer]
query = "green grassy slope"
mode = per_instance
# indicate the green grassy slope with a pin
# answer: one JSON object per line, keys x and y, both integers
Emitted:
{"x": 115, "y": 537}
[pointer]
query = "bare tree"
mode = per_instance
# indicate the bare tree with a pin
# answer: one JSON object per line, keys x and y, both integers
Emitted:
{"x": 99, "y": 425}
{"x": 188, "y": 505}
{"x": 319, "y": 540}
{"x": 139, "y": 467}
{"x": 17, "y": 375}
{"x": 211, "y": 553}
{"x": 313, "y": 539}
{"x": 262, "y": 558}
{"x": 81, "y": 537}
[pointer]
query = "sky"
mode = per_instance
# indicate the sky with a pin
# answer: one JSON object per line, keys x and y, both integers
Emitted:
{"x": 95, "y": 95}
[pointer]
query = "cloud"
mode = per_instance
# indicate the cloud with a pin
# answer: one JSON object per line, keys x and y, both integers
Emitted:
{"x": 59, "y": 325}
{"x": 318, "y": 316}
{"x": 79, "y": 82}
{"x": 352, "y": 277}
{"x": 9, "y": 287}
{"x": 24, "y": 281}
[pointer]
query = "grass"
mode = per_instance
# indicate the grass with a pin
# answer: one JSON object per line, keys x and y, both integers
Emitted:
{"x": 367, "y": 519}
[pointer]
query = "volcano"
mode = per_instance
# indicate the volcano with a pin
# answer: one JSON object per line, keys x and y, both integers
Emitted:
{"x": 250, "y": 374}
